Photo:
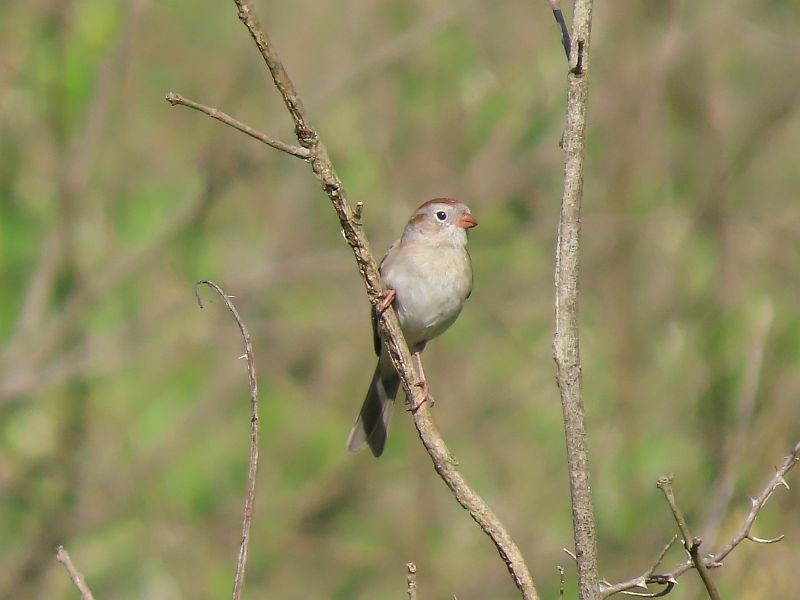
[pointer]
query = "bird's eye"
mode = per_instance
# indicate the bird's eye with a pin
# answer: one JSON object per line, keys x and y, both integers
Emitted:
{"x": 441, "y": 215}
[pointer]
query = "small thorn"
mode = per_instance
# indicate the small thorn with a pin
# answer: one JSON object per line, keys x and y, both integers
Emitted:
{"x": 243, "y": 356}
{"x": 779, "y": 480}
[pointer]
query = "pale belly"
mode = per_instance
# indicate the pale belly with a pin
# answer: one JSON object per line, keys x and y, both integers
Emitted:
{"x": 429, "y": 300}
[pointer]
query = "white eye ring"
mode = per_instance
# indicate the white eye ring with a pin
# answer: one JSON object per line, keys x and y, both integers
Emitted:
{"x": 441, "y": 215}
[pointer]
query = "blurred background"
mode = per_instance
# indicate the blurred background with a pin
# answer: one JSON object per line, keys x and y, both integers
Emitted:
{"x": 124, "y": 416}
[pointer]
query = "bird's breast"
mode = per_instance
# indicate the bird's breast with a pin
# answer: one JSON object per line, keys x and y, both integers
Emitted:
{"x": 431, "y": 288}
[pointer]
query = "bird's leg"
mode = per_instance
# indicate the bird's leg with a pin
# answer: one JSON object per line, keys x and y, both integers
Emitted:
{"x": 422, "y": 383}
{"x": 387, "y": 298}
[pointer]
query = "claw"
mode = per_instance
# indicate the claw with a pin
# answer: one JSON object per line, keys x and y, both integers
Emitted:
{"x": 387, "y": 298}
{"x": 422, "y": 383}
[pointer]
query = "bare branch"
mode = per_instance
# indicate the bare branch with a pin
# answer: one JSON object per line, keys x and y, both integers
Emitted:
{"x": 177, "y": 99}
{"x": 411, "y": 581}
{"x": 250, "y": 497}
{"x": 443, "y": 461}
{"x": 607, "y": 589}
{"x": 62, "y": 556}
{"x": 691, "y": 544}
{"x": 757, "y": 503}
{"x": 566, "y": 350}
{"x": 659, "y": 594}
{"x": 715, "y": 560}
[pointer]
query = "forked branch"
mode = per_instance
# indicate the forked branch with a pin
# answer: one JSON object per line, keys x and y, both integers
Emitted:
{"x": 443, "y": 461}
{"x": 690, "y": 544}
{"x": 711, "y": 561}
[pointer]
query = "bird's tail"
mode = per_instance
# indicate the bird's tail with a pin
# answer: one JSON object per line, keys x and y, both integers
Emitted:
{"x": 372, "y": 424}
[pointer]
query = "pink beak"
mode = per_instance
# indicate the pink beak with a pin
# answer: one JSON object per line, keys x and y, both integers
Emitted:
{"x": 467, "y": 221}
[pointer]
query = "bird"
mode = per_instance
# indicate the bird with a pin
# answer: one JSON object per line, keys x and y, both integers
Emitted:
{"x": 428, "y": 277}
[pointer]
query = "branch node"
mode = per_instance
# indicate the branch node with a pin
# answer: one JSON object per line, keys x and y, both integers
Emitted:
{"x": 357, "y": 213}
{"x": 578, "y": 69}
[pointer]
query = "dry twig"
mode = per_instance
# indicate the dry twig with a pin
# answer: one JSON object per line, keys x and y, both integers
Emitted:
{"x": 691, "y": 544}
{"x": 443, "y": 461}
{"x": 565, "y": 338}
{"x": 217, "y": 114}
{"x": 715, "y": 560}
{"x": 250, "y": 497}
{"x": 62, "y": 556}
{"x": 411, "y": 581}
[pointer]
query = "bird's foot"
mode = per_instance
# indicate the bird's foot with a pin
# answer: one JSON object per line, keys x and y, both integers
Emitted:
{"x": 426, "y": 397}
{"x": 387, "y": 298}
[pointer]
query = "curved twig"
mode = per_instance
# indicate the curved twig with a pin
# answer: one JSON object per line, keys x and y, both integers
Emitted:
{"x": 250, "y": 497}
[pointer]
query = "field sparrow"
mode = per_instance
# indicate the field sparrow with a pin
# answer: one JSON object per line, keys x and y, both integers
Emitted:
{"x": 428, "y": 275}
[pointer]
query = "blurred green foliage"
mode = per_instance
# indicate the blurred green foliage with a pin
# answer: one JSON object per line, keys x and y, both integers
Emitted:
{"x": 123, "y": 408}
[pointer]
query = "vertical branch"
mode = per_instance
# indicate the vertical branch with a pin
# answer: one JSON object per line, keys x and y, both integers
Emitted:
{"x": 411, "y": 581}
{"x": 250, "y": 496}
{"x": 565, "y": 337}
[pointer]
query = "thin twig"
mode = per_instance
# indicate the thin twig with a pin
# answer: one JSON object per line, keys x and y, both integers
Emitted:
{"x": 566, "y": 350}
{"x": 62, "y": 556}
{"x": 606, "y": 589}
{"x": 411, "y": 581}
{"x": 757, "y": 503}
{"x": 555, "y": 6}
{"x": 250, "y": 498}
{"x": 443, "y": 461}
{"x": 691, "y": 544}
{"x": 176, "y": 99}
{"x": 560, "y": 582}
{"x": 744, "y": 533}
